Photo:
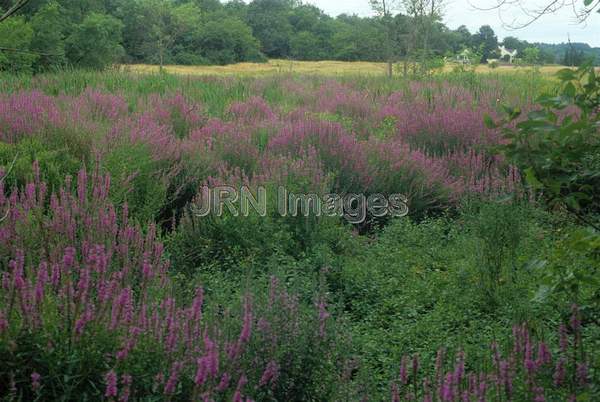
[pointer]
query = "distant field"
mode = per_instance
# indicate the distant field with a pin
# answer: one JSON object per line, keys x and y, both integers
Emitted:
{"x": 306, "y": 67}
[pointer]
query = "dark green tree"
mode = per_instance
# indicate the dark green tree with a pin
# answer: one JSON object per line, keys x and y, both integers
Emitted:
{"x": 96, "y": 42}
{"x": 270, "y": 25}
{"x": 486, "y": 42}
{"x": 48, "y": 38}
{"x": 228, "y": 41}
{"x": 15, "y": 42}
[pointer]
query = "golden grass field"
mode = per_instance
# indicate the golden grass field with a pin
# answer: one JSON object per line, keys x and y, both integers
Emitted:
{"x": 307, "y": 67}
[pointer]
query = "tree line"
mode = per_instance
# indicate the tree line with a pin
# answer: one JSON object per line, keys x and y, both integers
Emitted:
{"x": 46, "y": 34}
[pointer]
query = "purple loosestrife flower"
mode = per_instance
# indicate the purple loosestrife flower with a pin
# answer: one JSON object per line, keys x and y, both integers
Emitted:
{"x": 447, "y": 393}
{"x": 224, "y": 382}
{"x": 472, "y": 383}
{"x": 196, "y": 313}
{"x": 563, "y": 338}
{"x": 427, "y": 396}
{"x": 237, "y": 396}
{"x": 270, "y": 374}
{"x": 126, "y": 381}
{"x": 544, "y": 356}
{"x": 482, "y": 390}
{"x": 201, "y": 372}
{"x": 560, "y": 371}
{"x": 459, "y": 369}
{"x": 35, "y": 381}
{"x": 439, "y": 370}
{"x": 582, "y": 374}
{"x": 539, "y": 395}
{"x": 212, "y": 356}
{"x": 506, "y": 379}
{"x": 111, "y": 384}
{"x": 575, "y": 320}
{"x": 323, "y": 316}
{"x": 251, "y": 111}
{"x": 395, "y": 393}
{"x": 247, "y": 324}
{"x": 404, "y": 370}
{"x": 415, "y": 366}
{"x": 530, "y": 368}
{"x": 173, "y": 380}
{"x": 3, "y": 322}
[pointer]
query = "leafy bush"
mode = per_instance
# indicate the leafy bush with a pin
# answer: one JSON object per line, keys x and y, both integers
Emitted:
{"x": 29, "y": 158}
{"x": 500, "y": 230}
{"x": 557, "y": 146}
{"x": 16, "y": 35}
{"x": 137, "y": 180}
{"x": 95, "y": 43}
{"x": 228, "y": 41}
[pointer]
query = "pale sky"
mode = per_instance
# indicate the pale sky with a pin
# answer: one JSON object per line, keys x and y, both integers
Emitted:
{"x": 553, "y": 28}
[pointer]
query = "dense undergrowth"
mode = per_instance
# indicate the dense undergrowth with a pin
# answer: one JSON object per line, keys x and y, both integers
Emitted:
{"x": 113, "y": 288}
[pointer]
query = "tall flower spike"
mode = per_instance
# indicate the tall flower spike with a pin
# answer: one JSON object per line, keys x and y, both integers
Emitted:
{"x": 111, "y": 384}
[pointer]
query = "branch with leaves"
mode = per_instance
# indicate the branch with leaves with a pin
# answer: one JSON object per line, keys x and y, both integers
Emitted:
{"x": 582, "y": 9}
{"x": 14, "y": 9}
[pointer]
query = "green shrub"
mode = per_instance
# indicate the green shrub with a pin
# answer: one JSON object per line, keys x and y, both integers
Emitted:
{"x": 499, "y": 229}
{"x": 138, "y": 180}
{"x": 95, "y": 43}
{"x": 54, "y": 163}
{"x": 16, "y": 35}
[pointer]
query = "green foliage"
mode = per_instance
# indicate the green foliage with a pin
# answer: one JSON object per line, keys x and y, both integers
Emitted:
{"x": 356, "y": 39}
{"x": 48, "y": 40}
{"x": 95, "y": 43}
{"x": 531, "y": 55}
{"x": 572, "y": 271}
{"x": 54, "y": 163}
{"x": 573, "y": 56}
{"x": 418, "y": 288}
{"x": 226, "y": 242}
{"x": 229, "y": 41}
{"x": 269, "y": 23}
{"x": 138, "y": 180}
{"x": 303, "y": 47}
{"x": 194, "y": 32}
{"x": 557, "y": 147}
{"x": 15, "y": 38}
{"x": 67, "y": 373}
{"x": 486, "y": 42}
{"x": 499, "y": 230}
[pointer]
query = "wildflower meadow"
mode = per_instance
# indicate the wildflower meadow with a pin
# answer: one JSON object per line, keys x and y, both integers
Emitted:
{"x": 114, "y": 289}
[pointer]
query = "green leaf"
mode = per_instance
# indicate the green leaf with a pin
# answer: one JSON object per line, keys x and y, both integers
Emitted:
{"x": 566, "y": 74}
{"x": 532, "y": 179}
{"x": 489, "y": 122}
{"x": 542, "y": 294}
